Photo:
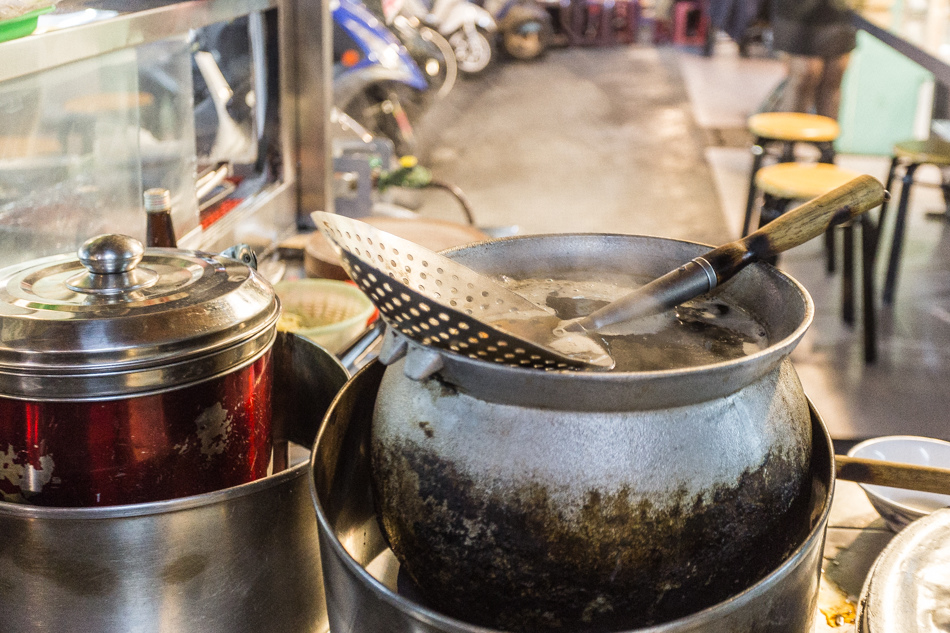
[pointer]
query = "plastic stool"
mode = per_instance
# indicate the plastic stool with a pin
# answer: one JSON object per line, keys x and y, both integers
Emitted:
{"x": 784, "y": 182}
{"x": 910, "y": 155}
{"x": 690, "y": 24}
{"x": 782, "y": 130}
{"x": 599, "y": 22}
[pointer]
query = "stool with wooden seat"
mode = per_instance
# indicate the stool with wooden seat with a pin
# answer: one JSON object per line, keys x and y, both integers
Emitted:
{"x": 776, "y": 134}
{"x": 784, "y": 182}
{"x": 910, "y": 155}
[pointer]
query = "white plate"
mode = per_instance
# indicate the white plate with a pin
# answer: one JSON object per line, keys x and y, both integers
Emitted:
{"x": 908, "y": 589}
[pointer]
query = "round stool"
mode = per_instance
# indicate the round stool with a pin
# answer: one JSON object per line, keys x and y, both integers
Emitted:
{"x": 784, "y": 182}
{"x": 910, "y": 155}
{"x": 780, "y": 131}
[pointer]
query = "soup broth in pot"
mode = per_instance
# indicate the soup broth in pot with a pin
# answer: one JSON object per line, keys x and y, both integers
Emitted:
{"x": 703, "y": 331}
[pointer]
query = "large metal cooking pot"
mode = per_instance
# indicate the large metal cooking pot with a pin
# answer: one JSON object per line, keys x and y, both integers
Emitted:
{"x": 241, "y": 560}
{"x": 525, "y": 500}
{"x": 130, "y": 375}
{"x": 367, "y": 592}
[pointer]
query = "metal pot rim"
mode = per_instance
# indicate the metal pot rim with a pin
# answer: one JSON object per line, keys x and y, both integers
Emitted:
{"x": 116, "y": 319}
{"x": 179, "y": 504}
{"x": 136, "y": 383}
{"x": 616, "y": 391}
{"x": 781, "y": 348}
{"x": 790, "y": 341}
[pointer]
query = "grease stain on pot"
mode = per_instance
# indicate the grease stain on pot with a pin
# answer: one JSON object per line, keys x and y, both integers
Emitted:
{"x": 81, "y": 577}
{"x": 603, "y": 570}
{"x": 213, "y": 428}
{"x": 183, "y": 569}
{"x": 19, "y": 481}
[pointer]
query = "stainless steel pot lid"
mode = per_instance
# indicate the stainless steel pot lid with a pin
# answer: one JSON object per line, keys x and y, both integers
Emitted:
{"x": 117, "y": 320}
{"x": 908, "y": 589}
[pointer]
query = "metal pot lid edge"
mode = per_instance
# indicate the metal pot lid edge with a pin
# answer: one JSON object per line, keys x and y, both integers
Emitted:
{"x": 63, "y": 316}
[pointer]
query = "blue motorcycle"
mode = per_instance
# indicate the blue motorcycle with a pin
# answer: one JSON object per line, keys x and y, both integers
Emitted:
{"x": 375, "y": 80}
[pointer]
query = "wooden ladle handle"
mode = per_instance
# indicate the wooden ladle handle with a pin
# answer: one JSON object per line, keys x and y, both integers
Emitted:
{"x": 798, "y": 225}
{"x": 894, "y": 474}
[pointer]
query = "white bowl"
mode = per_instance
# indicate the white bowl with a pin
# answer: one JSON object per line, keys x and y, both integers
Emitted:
{"x": 897, "y": 506}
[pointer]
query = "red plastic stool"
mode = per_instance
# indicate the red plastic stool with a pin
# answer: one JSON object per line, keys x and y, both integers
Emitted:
{"x": 690, "y": 24}
{"x": 599, "y": 22}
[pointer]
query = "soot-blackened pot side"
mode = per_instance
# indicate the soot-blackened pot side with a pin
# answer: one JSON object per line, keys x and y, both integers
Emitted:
{"x": 606, "y": 573}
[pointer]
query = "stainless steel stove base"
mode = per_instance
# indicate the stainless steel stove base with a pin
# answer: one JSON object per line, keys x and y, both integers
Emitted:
{"x": 360, "y": 572}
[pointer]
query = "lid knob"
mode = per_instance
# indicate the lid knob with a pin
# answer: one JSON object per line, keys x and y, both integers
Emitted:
{"x": 111, "y": 254}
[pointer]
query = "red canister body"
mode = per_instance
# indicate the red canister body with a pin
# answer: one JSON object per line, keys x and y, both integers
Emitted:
{"x": 184, "y": 441}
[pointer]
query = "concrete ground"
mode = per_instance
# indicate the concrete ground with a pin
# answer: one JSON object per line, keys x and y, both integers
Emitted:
{"x": 647, "y": 140}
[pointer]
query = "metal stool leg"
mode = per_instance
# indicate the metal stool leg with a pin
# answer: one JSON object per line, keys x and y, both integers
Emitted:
{"x": 869, "y": 311}
{"x": 827, "y": 152}
{"x": 758, "y": 152}
{"x": 895, "y": 162}
{"x": 945, "y": 189}
{"x": 897, "y": 243}
{"x": 772, "y": 208}
{"x": 830, "y": 250}
{"x": 828, "y": 157}
{"x": 847, "y": 274}
{"x": 788, "y": 152}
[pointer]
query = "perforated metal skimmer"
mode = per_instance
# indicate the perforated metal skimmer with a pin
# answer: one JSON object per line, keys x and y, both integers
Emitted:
{"x": 435, "y": 300}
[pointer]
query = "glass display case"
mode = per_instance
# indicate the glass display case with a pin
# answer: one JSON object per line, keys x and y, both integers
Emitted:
{"x": 207, "y": 99}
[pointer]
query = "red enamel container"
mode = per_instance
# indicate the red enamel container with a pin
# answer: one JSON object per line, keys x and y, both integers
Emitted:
{"x": 131, "y": 375}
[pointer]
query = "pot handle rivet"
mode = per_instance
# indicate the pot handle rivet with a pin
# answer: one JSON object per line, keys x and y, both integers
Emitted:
{"x": 111, "y": 254}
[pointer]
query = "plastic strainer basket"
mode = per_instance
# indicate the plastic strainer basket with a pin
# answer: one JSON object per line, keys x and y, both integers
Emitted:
{"x": 330, "y": 313}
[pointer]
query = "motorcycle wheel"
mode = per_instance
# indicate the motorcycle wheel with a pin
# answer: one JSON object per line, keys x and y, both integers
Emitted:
{"x": 474, "y": 50}
{"x": 451, "y": 69}
{"x": 383, "y": 113}
{"x": 527, "y": 39}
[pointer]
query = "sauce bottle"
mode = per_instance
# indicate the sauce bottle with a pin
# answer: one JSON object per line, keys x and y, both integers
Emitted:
{"x": 158, "y": 228}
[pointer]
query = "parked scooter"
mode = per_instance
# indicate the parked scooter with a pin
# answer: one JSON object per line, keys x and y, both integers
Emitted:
{"x": 431, "y": 52}
{"x": 469, "y": 29}
{"x": 366, "y": 174}
{"x": 375, "y": 80}
{"x": 524, "y": 27}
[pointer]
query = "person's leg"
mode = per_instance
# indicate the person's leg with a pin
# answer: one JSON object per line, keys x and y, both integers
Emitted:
{"x": 804, "y": 76}
{"x": 828, "y": 95}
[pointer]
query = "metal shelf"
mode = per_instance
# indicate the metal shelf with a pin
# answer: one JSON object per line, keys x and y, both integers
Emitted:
{"x": 137, "y": 23}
